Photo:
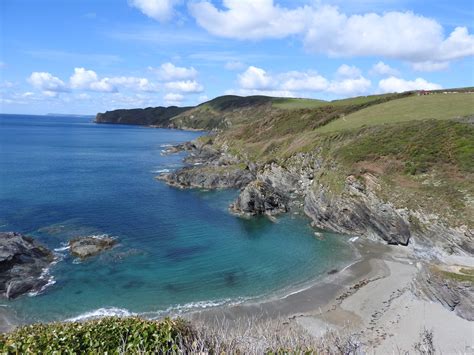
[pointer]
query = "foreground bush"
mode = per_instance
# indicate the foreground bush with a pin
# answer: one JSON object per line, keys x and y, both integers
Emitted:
{"x": 112, "y": 335}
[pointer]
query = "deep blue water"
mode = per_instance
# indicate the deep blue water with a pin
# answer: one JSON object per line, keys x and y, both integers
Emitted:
{"x": 63, "y": 177}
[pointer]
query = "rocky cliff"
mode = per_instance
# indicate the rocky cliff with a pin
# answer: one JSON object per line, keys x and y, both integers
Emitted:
{"x": 151, "y": 116}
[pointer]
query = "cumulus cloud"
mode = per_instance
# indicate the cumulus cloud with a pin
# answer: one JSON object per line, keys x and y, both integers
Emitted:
{"x": 383, "y": 69}
{"x": 257, "y": 81}
{"x": 169, "y": 71}
{"x": 173, "y": 99}
{"x": 347, "y": 71}
{"x": 394, "y": 84}
{"x": 430, "y": 66}
{"x": 89, "y": 80}
{"x": 161, "y": 10}
{"x": 325, "y": 29}
{"x": 350, "y": 87}
{"x": 249, "y": 19}
{"x": 255, "y": 78}
{"x": 47, "y": 82}
{"x": 303, "y": 81}
{"x": 185, "y": 86}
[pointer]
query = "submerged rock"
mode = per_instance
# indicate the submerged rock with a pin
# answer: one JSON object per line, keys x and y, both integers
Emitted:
{"x": 22, "y": 264}
{"x": 85, "y": 247}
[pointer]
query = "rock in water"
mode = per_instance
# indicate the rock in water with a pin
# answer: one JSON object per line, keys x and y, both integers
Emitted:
{"x": 22, "y": 263}
{"x": 259, "y": 197}
{"x": 85, "y": 247}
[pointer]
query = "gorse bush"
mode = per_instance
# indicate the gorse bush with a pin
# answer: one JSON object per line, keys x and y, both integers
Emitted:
{"x": 107, "y": 335}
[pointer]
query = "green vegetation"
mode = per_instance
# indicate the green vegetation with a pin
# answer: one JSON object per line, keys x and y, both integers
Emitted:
{"x": 419, "y": 145}
{"x": 434, "y": 106}
{"x": 463, "y": 274}
{"x": 107, "y": 335}
{"x": 292, "y": 104}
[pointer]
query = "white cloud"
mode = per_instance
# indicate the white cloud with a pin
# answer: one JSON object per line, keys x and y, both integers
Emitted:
{"x": 161, "y": 10}
{"x": 255, "y": 78}
{"x": 234, "y": 65}
{"x": 256, "y": 81}
{"x": 173, "y": 99}
{"x": 47, "y": 82}
{"x": 350, "y": 87}
{"x": 347, "y": 71}
{"x": 249, "y": 19}
{"x": 133, "y": 83}
{"x": 168, "y": 71}
{"x": 399, "y": 35}
{"x": 89, "y": 80}
{"x": 394, "y": 84}
{"x": 325, "y": 29}
{"x": 82, "y": 78}
{"x": 251, "y": 92}
{"x": 188, "y": 86}
{"x": 430, "y": 66}
{"x": 303, "y": 81}
{"x": 383, "y": 69}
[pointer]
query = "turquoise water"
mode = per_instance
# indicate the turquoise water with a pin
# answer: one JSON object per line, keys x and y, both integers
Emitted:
{"x": 63, "y": 177}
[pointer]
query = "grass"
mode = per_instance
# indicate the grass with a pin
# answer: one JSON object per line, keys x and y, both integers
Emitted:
{"x": 293, "y": 103}
{"x": 437, "y": 106}
{"x": 420, "y": 145}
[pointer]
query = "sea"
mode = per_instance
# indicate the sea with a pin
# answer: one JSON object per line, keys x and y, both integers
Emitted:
{"x": 178, "y": 250}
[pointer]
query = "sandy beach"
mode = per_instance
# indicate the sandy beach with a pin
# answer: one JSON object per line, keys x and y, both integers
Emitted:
{"x": 373, "y": 298}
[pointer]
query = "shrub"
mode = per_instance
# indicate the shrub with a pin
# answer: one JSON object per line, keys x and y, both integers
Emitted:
{"x": 111, "y": 335}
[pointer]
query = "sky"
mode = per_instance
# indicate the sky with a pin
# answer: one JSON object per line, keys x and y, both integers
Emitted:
{"x": 89, "y": 56}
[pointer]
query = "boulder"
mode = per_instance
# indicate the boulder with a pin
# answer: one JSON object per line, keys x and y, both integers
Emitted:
{"x": 85, "y": 247}
{"x": 22, "y": 264}
{"x": 259, "y": 198}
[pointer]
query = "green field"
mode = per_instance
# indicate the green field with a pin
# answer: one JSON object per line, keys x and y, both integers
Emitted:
{"x": 436, "y": 106}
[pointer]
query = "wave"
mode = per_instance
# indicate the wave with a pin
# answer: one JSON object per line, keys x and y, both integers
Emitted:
{"x": 45, "y": 275}
{"x": 103, "y": 312}
{"x": 159, "y": 171}
{"x": 64, "y": 247}
{"x": 166, "y": 145}
{"x": 173, "y": 310}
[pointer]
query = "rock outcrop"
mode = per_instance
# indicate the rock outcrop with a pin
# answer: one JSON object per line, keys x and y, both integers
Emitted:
{"x": 357, "y": 211}
{"x": 85, "y": 247}
{"x": 22, "y": 264}
{"x": 208, "y": 178}
{"x": 207, "y": 168}
{"x": 454, "y": 293}
{"x": 260, "y": 197}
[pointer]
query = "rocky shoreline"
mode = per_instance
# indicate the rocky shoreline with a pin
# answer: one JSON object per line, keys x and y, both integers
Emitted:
{"x": 23, "y": 262}
{"x": 356, "y": 209}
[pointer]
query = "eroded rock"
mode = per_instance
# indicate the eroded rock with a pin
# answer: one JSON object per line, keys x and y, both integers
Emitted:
{"x": 85, "y": 247}
{"x": 22, "y": 264}
{"x": 258, "y": 198}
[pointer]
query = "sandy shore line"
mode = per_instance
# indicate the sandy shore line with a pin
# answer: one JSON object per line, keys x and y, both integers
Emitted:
{"x": 372, "y": 298}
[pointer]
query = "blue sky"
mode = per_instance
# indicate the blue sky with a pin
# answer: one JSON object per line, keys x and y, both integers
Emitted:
{"x": 88, "y": 56}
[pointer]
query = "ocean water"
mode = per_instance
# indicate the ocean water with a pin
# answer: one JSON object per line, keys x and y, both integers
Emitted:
{"x": 62, "y": 177}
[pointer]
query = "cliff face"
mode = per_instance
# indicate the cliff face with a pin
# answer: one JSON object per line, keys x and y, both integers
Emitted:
{"x": 151, "y": 116}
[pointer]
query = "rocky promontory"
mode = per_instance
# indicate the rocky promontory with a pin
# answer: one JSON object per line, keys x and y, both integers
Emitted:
{"x": 22, "y": 264}
{"x": 86, "y": 247}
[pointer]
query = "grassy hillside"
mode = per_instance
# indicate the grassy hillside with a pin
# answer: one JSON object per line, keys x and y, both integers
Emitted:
{"x": 436, "y": 106}
{"x": 151, "y": 116}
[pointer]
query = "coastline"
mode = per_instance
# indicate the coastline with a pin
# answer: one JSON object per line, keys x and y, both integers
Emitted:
{"x": 372, "y": 298}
